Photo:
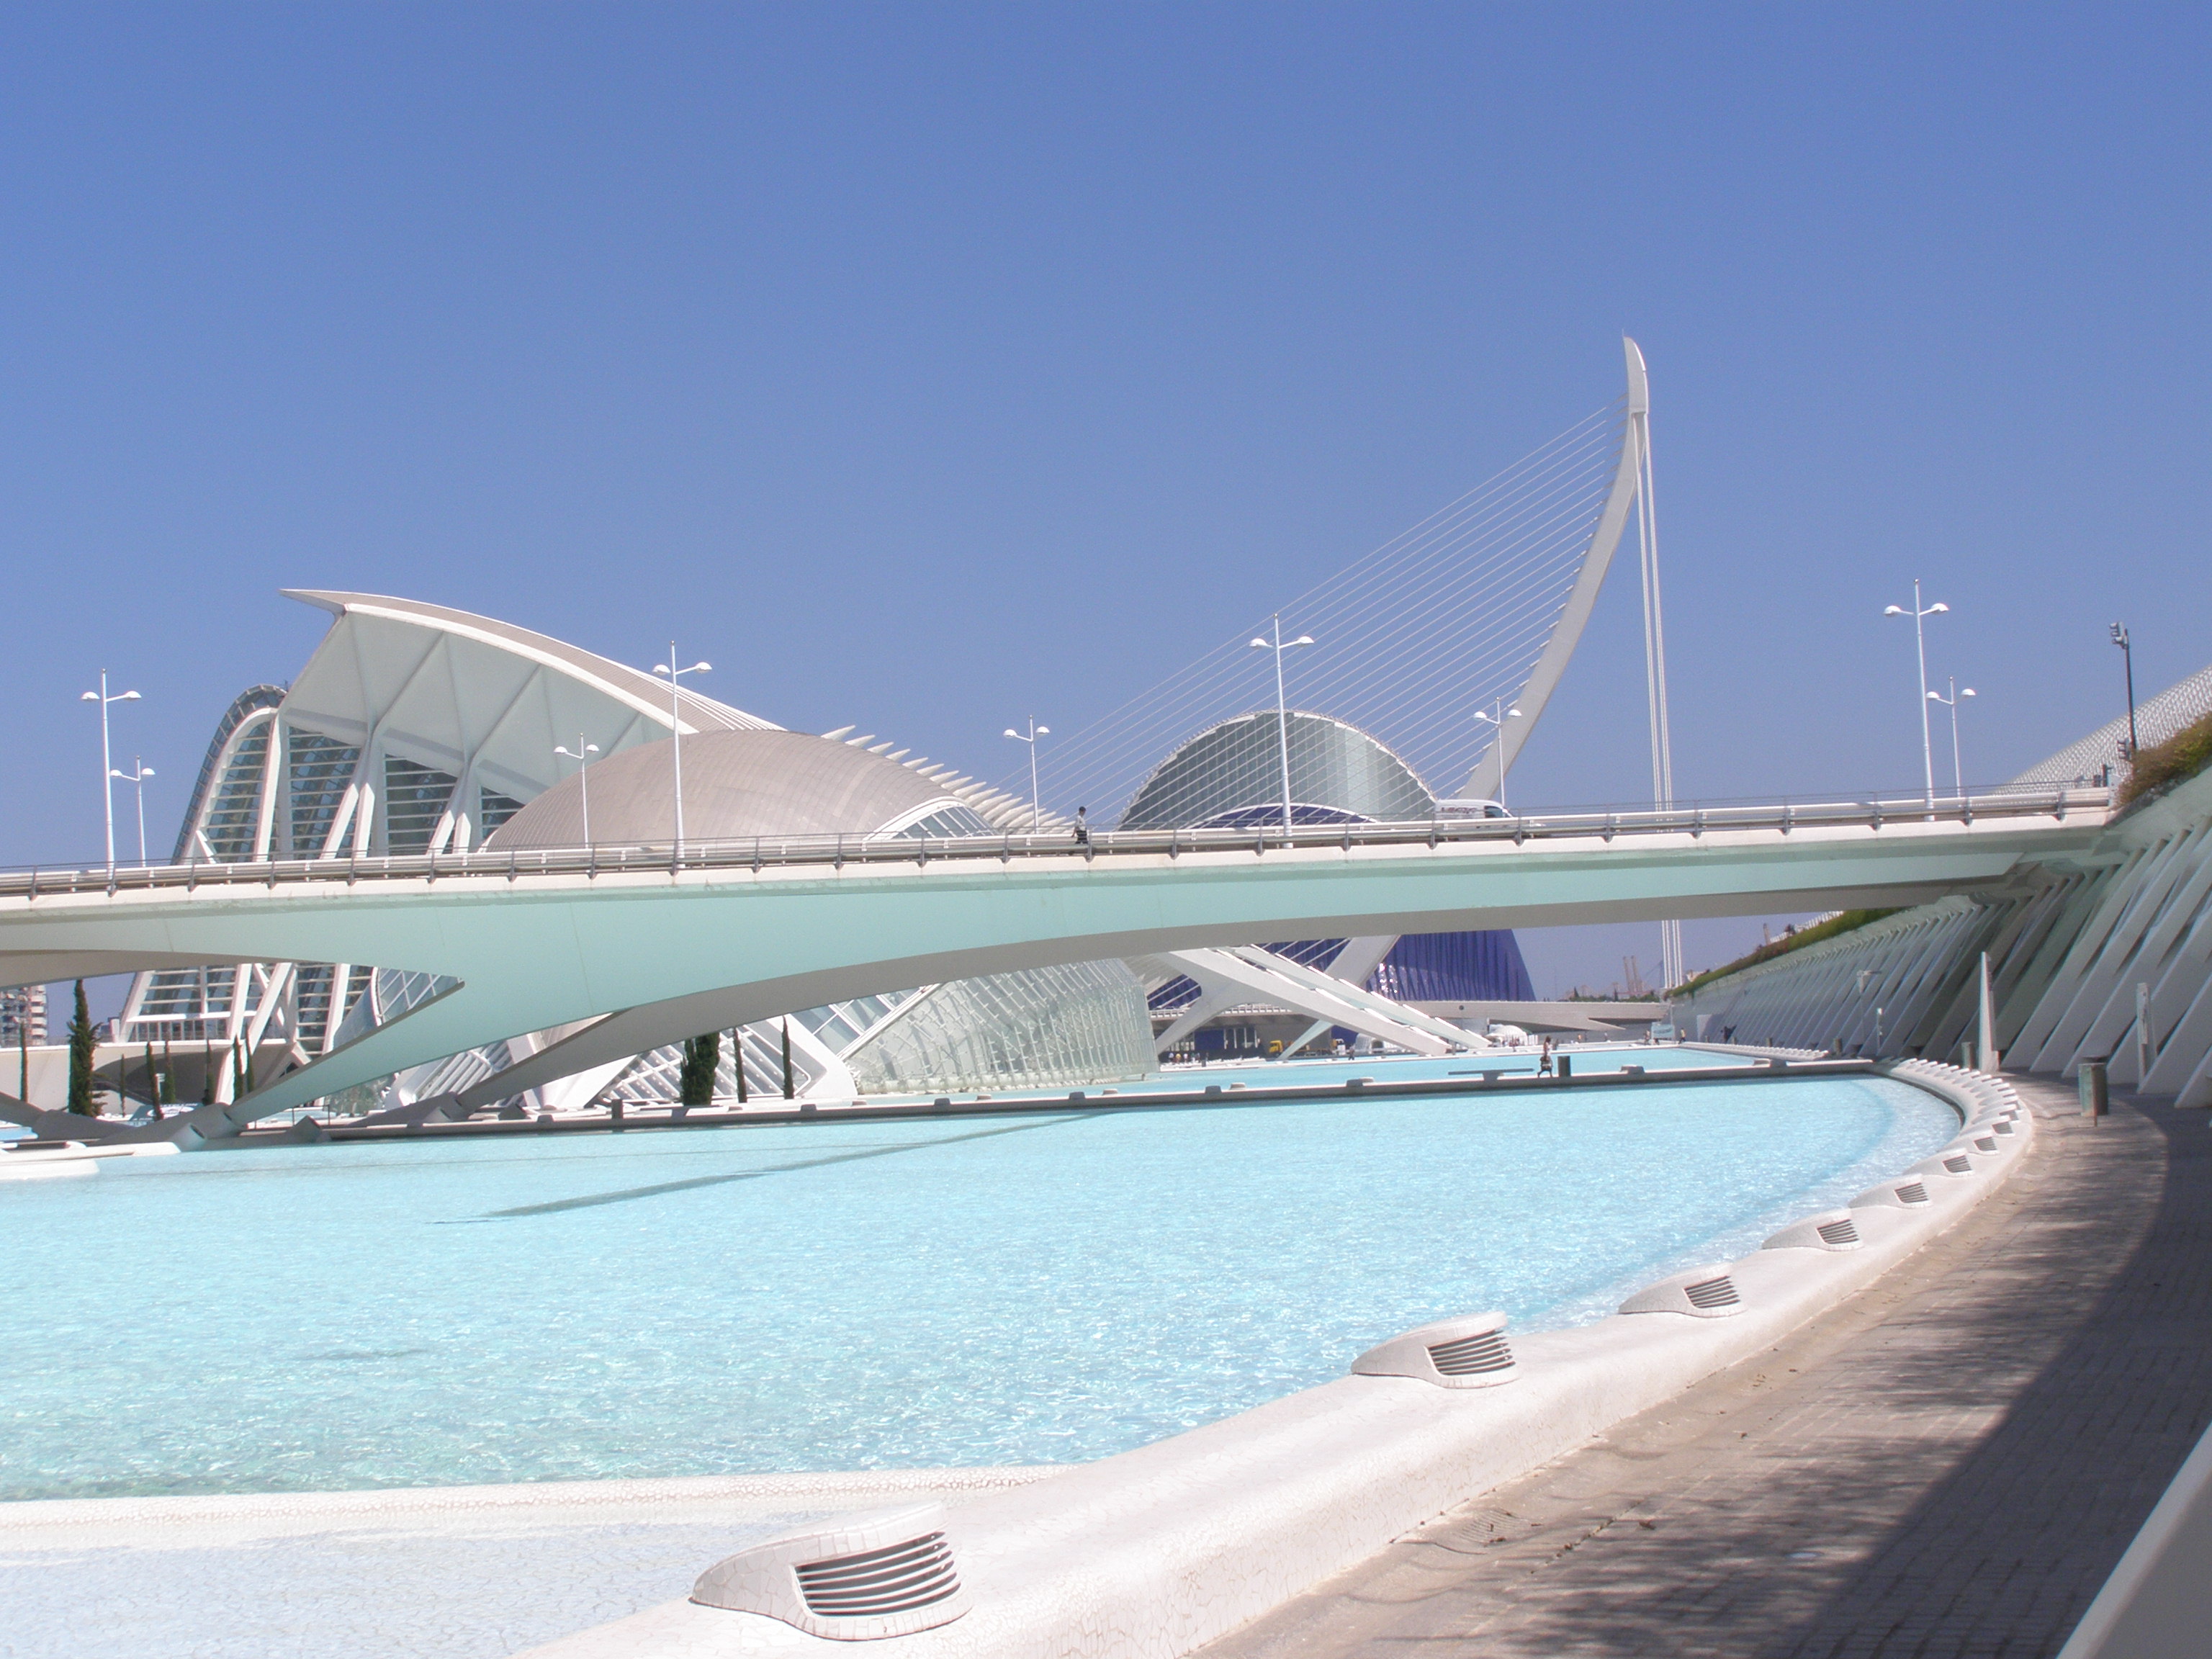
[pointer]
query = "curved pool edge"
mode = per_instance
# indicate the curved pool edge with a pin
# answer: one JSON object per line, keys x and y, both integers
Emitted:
{"x": 60, "y": 1522}
{"x": 1158, "y": 1551}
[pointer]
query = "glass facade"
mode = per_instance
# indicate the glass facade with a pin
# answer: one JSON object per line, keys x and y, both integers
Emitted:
{"x": 233, "y": 815}
{"x": 415, "y": 797}
{"x": 318, "y": 769}
{"x": 1084, "y": 1022}
{"x": 948, "y": 822}
{"x": 493, "y": 809}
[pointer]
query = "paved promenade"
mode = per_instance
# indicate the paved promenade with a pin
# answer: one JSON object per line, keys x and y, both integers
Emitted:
{"x": 1948, "y": 1465}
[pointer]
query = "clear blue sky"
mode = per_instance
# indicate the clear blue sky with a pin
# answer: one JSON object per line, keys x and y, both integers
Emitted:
{"x": 927, "y": 366}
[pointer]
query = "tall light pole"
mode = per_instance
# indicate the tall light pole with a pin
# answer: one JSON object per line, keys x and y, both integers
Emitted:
{"x": 137, "y": 775}
{"x": 1498, "y": 719}
{"x": 676, "y": 730}
{"x": 2128, "y": 655}
{"x": 1036, "y": 805}
{"x": 1278, "y": 644}
{"x": 583, "y": 774}
{"x": 1920, "y": 648}
{"x": 1957, "y": 776}
{"x": 106, "y": 757}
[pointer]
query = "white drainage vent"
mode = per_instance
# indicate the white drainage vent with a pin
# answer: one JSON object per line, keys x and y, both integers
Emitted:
{"x": 1702, "y": 1293}
{"x": 886, "y": 1573}
{"x": 1453, "y": 1353}
{"x": 1958, "y": 1163}
{"x": 1985, "y": 1143}
{"x": 1832, "y": 1230}
{"x": 2003, "y": 1126}
{"x": 1905, "y": 1194}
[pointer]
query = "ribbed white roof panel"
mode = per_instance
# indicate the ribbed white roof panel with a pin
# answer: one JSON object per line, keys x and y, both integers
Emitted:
{"x": 2156, "y": 720}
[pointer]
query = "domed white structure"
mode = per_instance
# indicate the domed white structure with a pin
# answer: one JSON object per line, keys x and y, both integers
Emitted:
{"x": 738, "y": 785}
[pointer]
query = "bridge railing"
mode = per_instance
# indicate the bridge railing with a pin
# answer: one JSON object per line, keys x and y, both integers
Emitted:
{"x": 759, "y": 853}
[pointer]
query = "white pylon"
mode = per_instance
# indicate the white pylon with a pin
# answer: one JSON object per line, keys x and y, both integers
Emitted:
{"x": 1655, "y": 635}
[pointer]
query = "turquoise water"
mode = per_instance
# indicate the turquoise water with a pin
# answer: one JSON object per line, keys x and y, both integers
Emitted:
{"x": 845, "y": 1296}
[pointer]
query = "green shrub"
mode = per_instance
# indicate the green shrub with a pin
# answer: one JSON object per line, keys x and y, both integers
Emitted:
{"x": 2162, "y": 765}
{"x": 1843, "y": 921}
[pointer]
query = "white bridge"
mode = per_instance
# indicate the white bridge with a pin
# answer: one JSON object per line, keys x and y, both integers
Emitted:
{"x": 626, "y": 949}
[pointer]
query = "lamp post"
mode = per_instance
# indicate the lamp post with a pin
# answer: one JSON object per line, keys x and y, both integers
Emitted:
{"x": 1498, "y": 720}
{"x": 676, "y": 730}
{"x": 2128, "y": 656}
{"x": 106, "y": 758}
{"x": 137, "y": 776}
{"x": 1278, "y": 644}
{"x": 1036, "y": 805}
{"x": 1957, "y": 776}
{"x": 583, "y": 774}
{"x": 1920, "y": 645}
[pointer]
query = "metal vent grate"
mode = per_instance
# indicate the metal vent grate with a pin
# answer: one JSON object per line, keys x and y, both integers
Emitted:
{"x": 1958, "y": 1163}
{"x": 1712, "y": 1293}
{"x": 1912, "y": 1192}
{"x": 1471, "y": 1356}
{"x": 1986, "y": 1143}
{"x": 917, "y": 1573}
{"x": 2003, "y": 1126}
{"x": 1839, "y": 1232}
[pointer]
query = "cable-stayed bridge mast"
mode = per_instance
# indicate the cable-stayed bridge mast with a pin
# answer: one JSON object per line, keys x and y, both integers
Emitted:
{"x": 1477, "y": 608}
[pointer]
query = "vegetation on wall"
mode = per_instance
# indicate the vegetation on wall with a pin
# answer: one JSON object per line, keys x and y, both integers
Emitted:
{"x": 2177, "y": 760}
{"x": 1843, "y": 921}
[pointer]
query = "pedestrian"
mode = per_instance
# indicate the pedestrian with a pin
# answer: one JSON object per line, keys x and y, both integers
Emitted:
{"x": 1081, "y": 826}
{"x": 1544, "y": 1060}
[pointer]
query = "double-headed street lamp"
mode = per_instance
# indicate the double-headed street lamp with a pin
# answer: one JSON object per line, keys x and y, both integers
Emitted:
{"x": 1498, "y": 719}
{"x": 137, "y": 775}
{"x": 583, "y": 774}
{"x": 1278, "y": 644}
{"x": 2128, "y": 655}
{"x": 1957, "y": 777}
{"x": 676, "y": 730}
{"x": 108, "y": 773}
{"x": 1920, "y": 645}
{"x": 1036, "y": 805}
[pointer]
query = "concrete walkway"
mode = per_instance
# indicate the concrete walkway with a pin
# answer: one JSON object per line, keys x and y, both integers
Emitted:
{"x": 1949, "y": 1464}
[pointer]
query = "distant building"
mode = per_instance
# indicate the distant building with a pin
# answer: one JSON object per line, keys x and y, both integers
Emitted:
{"x": 1233, "y": 775}
{"x": 23, "y": 1011}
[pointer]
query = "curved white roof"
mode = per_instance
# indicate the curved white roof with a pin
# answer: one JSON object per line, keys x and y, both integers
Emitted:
{"x": 736, "y": 785}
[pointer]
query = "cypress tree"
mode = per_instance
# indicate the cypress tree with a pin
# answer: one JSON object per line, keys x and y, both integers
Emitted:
{"x": 789, "y": 1092}
{"x": 695, "y": 1083}
{"x": 81, "y": 1045}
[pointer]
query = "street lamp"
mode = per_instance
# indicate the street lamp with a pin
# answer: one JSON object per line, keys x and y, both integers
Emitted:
{"x": 1036, "y": 806}
{"x": 106, "y": 759}
{"x": 1958, "y": 778}
{"x": 137, "y": 775}
{"x": 2128, "y": 654}
{"x": 583, "y": 774}
{"x": 1278, "y": 644}
{"x": 676, "y": 731}
{"x": 1499, "y": 721}
{"x": 1920, "y": 645}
